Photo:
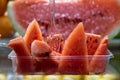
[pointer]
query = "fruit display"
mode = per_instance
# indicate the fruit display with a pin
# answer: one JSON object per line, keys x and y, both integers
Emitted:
{"x": 98, "y": 16}
{"x": 77, "y": 45}
{"x": 33, "y": 54}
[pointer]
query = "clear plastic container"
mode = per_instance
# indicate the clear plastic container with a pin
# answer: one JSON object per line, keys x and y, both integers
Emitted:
{"x": 52, "y": 65}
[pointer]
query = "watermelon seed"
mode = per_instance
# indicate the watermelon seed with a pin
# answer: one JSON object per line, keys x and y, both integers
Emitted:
{"x": 61, "y": 40}
{"x": 94, "y": 15}
{"x": 54, "y": 38}
{"x": 90, "y": 39}
{"x": 101, "y": 14}
{"x": 87, "y": 41}
{"x": 96, "y": 40}
{"x": 46, "y": 53}
{"x": 67, "y": 20}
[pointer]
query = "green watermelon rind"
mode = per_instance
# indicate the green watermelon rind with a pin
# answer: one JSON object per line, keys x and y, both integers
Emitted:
{"x": 14, "y": 22}
{"x": 114, "y": 31}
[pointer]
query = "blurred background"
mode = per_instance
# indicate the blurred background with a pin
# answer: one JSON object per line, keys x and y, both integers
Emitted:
{"x": 7, "y": 31}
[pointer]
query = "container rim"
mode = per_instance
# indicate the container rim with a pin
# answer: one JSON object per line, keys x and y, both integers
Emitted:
{"x": 13, "y": 56}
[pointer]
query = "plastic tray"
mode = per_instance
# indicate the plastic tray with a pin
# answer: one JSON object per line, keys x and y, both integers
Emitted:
{"x": 52, "y": 65}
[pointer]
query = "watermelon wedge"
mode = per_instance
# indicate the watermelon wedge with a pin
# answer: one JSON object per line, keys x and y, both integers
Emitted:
{"x": 33, "y": 32}
{"x": 24, "y": 65}
{"x": 98, "y": 63}
{"x": 75, "y": 45}
{"x": 98, "y": 16}
{"x": 93, "y": 41}
{"x": 45, "y": 63}
{"x": 19, "y": 46}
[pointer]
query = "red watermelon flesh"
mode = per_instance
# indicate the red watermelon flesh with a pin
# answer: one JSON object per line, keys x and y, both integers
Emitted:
{"x": 23, "y": 65}
{"x": 93, "y": 41}
{"x": 75, "y": 45}
{"x": 56, "y": 42}
{"x": 45, "y": 63}
{"x": 98, "y": 63}
{"x": 98, "y": 16}
{"x": 33, "y": 32}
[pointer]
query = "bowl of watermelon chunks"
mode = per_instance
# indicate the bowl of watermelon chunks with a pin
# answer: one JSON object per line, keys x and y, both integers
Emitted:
{"x": 79, "y": 53}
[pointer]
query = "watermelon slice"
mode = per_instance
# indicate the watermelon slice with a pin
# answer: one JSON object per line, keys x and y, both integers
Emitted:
{"x": 75, "y": 45}
{"x": 45, "y": 63}
{"x": 33, "y": 32}
{"x": 99, "y": 16}
{"x": 98, "y": 63}
{"x": 93, "y": 41}
{"x": 19, "y": 46}
{"x": 24, "y": 63}
{"x": 55, "y": 42}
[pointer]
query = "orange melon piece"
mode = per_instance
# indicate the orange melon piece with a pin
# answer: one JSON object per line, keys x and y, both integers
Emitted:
{"x": 0, "y": 35}
{"x": 33, "y": 32}
{"x": 75, "y": 45}
{"x": 98, "y": 63}
{"x": 24, "y": 63}
{"x": 93, "y": 41}
{"x": 41, "y": 51}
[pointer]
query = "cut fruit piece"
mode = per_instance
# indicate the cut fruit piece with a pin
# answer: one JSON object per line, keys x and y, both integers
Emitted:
{"x": 98, "y": 63}
{"x": 45, "y": 63}
{"x": 40, "y": 49}
{"x": 55, "y": 42}
{"x": 24, "y": 63}
{"x": 75, "y": 45}
{"x": 19, "y": 46}
{"x": 33, "y": 33}
{"x": 99, "y": 16}
{"x": 93, "y": 41}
